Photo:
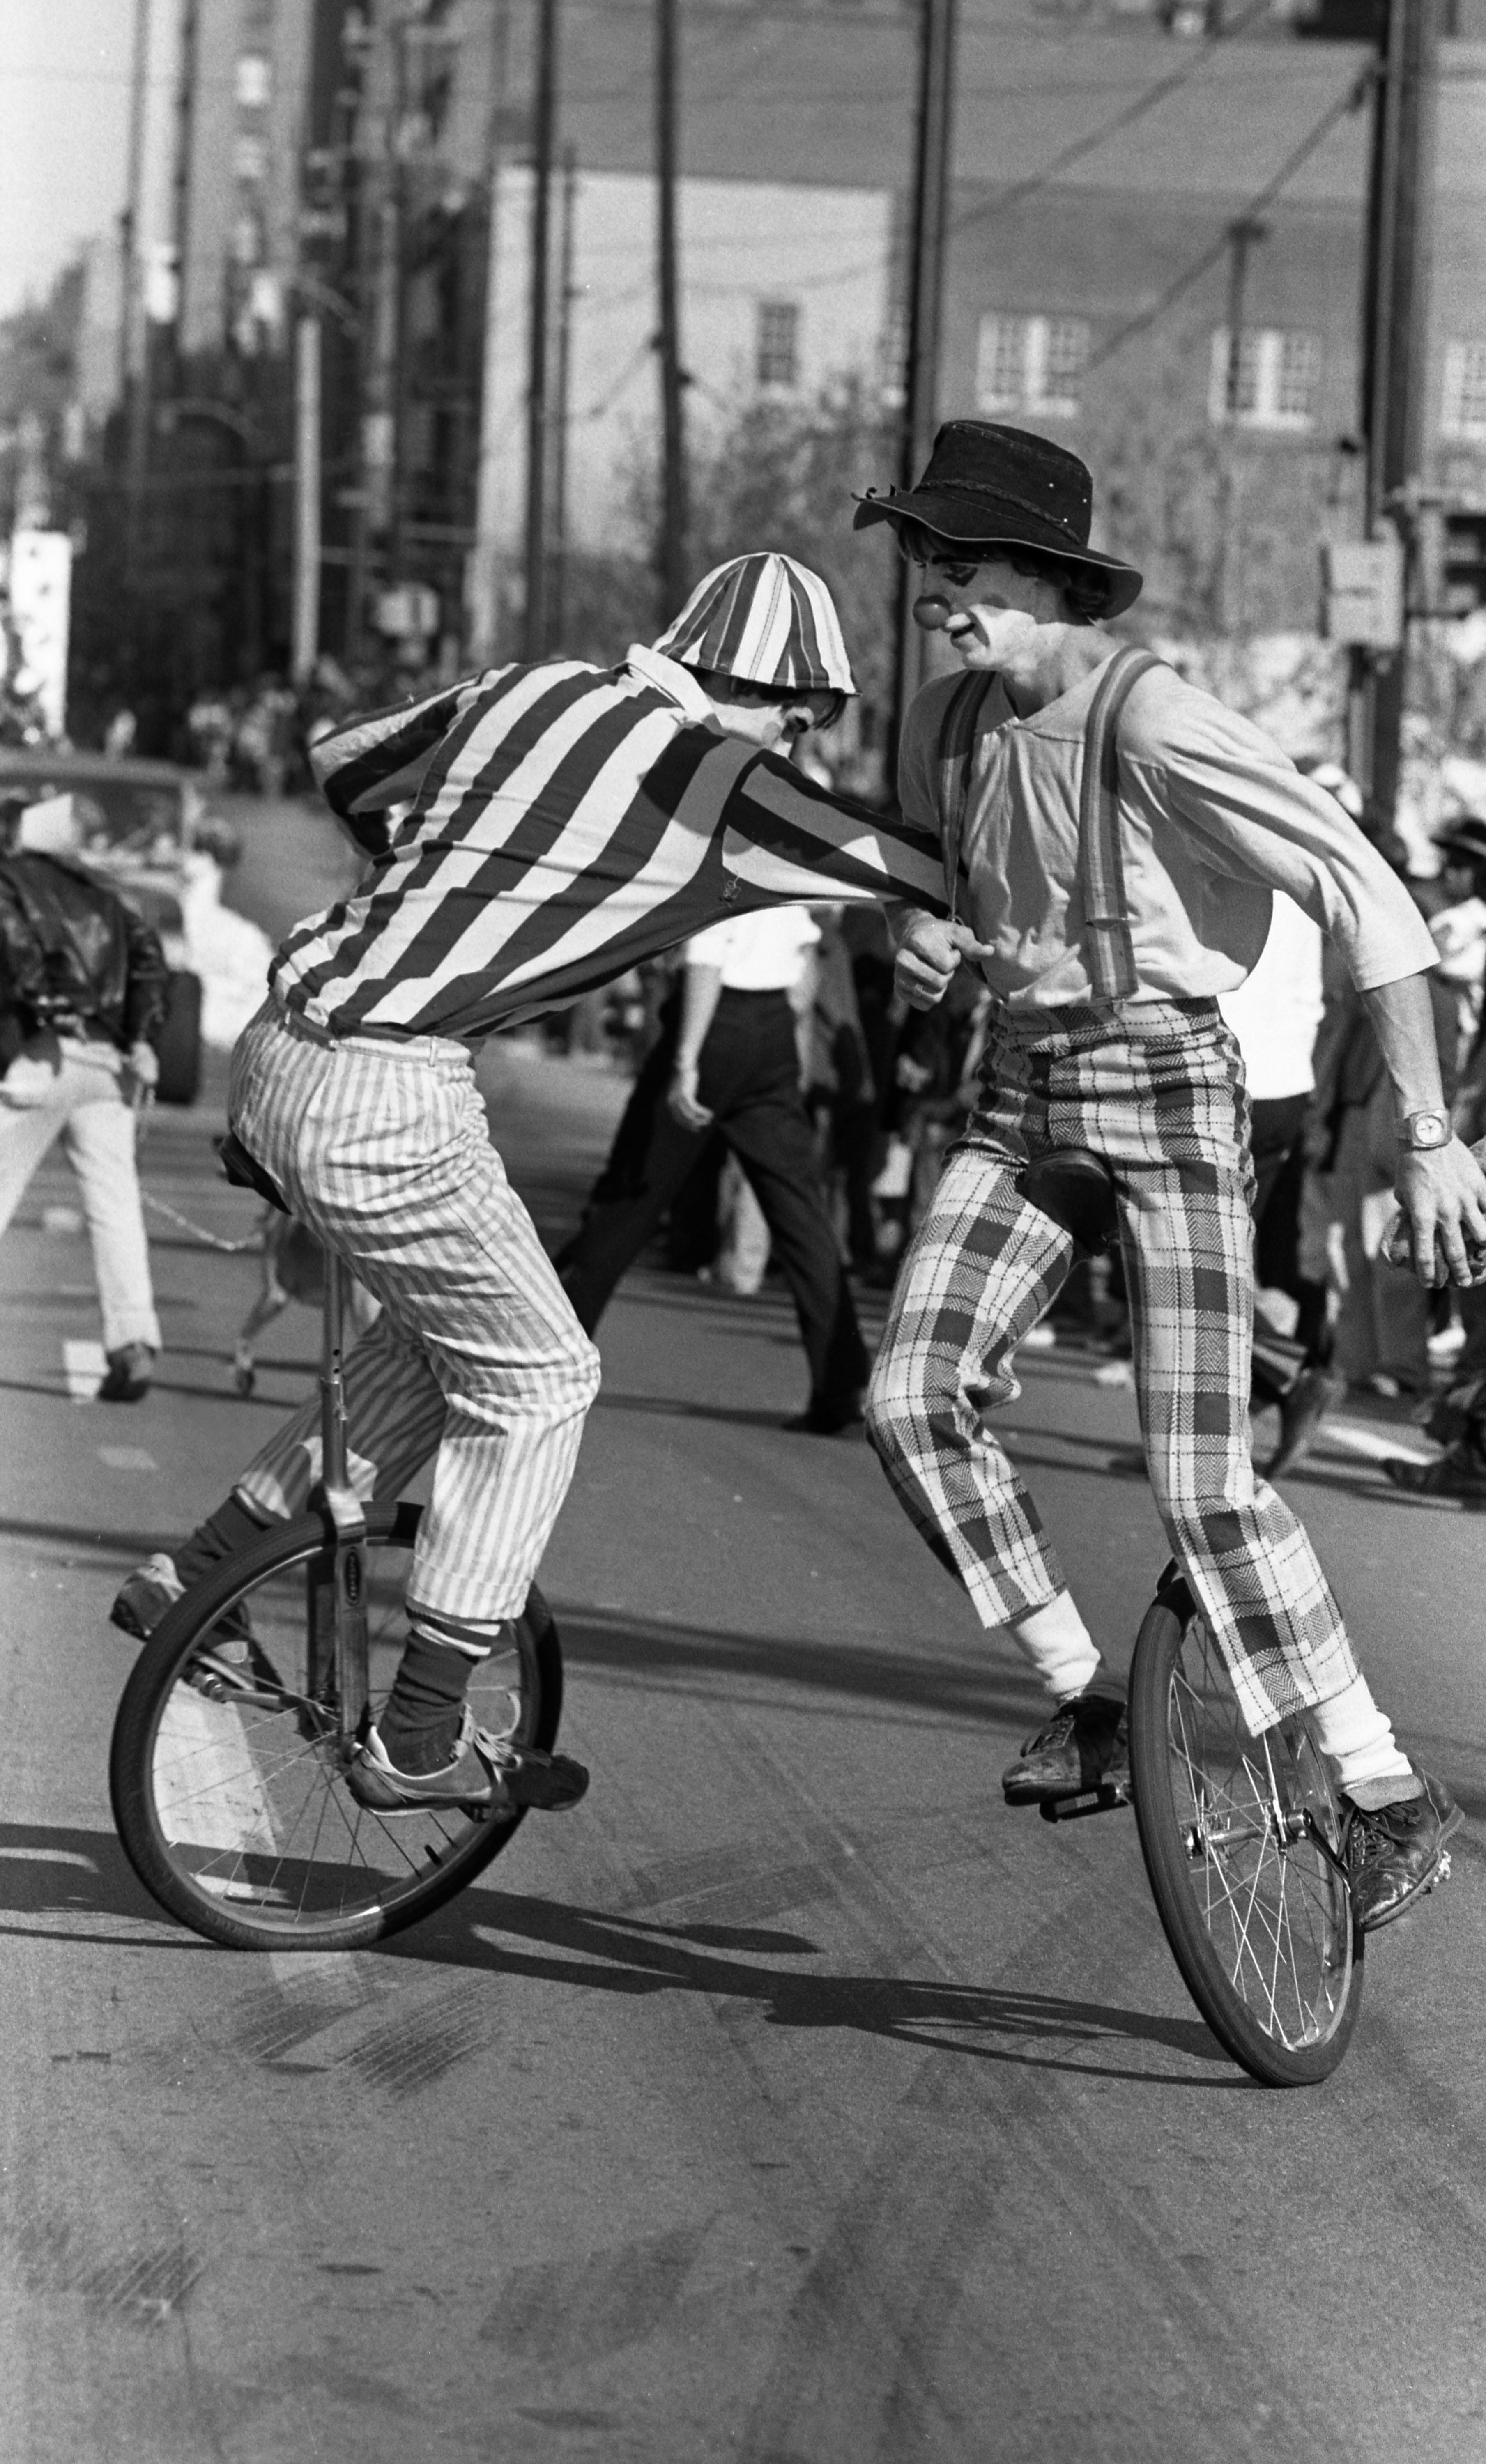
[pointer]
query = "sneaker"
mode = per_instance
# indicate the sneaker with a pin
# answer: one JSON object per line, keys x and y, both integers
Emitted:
{"x": 1395, "y": 1855}
{"x": 128, "y": 1373}
{"x": 1085, "y": 1745}
{"x": 145, "y": 1596}
{"x": 1460, "y": 1472}
{"x": 1316, "y": 1392}
{"x": 486, "y": 1773}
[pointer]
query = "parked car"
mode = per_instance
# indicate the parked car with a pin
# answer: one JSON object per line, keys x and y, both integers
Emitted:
{"x": 137, "y": 822}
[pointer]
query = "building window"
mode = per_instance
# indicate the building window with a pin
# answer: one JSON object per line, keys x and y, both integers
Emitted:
{"x": 250, "y": 157}
{"x": 1278, "y": 378}
{"x": 777, "y": 346}
{"x": 1032, "y": 363}
{"x": 1463, "y": 412}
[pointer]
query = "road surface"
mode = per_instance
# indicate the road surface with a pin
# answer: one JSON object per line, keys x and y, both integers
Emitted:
{"x": 791, "y": 2100}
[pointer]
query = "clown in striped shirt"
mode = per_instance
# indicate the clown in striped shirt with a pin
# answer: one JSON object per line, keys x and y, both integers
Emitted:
{"x": 532, "y": 834}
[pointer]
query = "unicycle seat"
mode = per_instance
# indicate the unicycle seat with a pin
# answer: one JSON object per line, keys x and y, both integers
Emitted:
{"x": 1076, "y": 1189}
{"x": 245, "y": 1172}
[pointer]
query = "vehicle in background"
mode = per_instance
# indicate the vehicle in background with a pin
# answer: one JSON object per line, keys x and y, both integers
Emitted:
{"x": 137, "y": 822}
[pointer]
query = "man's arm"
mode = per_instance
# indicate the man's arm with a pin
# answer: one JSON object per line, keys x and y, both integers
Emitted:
{"x": 702, "y": 989}
{"x": 1441, "y": 1190}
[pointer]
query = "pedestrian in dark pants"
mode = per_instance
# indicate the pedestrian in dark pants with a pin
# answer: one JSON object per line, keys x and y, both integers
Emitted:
{"x": 728, "y": 1062}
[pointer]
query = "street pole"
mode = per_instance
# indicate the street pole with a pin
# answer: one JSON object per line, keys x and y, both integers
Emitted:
{"x": 306, "y": 496}
{"x": 672, "y": 557}
{"x": 534, "y": 643}
{"x": 483, "y": 588}
{"x": 565, "y": 354}
{"x": 182, "y": 177}
{"x": 926, "y": 316}
{"x": 1227, "y": 596}
{"x": 133, "y": 333}
{"x": 1395, "y": 332}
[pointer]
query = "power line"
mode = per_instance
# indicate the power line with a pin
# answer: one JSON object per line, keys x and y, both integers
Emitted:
{"x": 1351, "y": 100}
{"x": 1021, "y": 189}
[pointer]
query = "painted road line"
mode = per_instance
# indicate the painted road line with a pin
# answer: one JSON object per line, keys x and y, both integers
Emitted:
{"x": 127, "y": 1459}
{"x": 84, "y": 1366}
{"x": 210, "y": 1792}
{"x": 1381, "y": 1445}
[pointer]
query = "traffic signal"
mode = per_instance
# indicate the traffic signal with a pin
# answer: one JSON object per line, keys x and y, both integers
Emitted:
{"x": 1463, "y": 568}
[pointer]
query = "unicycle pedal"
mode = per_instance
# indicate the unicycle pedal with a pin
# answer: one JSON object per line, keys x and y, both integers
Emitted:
{"x": 1102, "y": 1799}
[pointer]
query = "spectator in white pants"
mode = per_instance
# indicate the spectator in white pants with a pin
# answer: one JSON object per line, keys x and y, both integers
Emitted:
{"x": 82, "y": 982}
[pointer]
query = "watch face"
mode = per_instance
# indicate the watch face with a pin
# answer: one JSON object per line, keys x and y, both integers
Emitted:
{"x": 1427, "y": 1130}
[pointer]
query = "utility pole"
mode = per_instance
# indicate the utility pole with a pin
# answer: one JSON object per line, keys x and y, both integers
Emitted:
{"x": 482, "y": 589}
{"x": 925, "y": 315}
{"x": 378, "y": 271}
{"x": 133, "y": 332}
{"x": 564, "y": 356}
{"x": 181, "y": 177}
{"x": 672, "y": 557}
{"x": 306, "y": 496}
{"x": 1227, "y": 595}
{"x": 1395, "y": 326}
{"x": 534, "y": 645}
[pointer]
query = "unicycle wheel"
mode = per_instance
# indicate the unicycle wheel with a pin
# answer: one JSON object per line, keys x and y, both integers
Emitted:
{"x": 1242, "y": 1839}
{"x": 228, "y": 1771}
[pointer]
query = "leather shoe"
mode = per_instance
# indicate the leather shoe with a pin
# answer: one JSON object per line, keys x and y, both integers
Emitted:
{"x": 1396, "y": 1854}
{"x": 1316, "y": 1392}
{"x": 1085, "y": 1745}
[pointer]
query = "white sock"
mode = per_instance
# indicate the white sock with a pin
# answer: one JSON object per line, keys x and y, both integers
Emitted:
{"x": 1358, "y": 1740}
{"x": 1061, "y": 1649}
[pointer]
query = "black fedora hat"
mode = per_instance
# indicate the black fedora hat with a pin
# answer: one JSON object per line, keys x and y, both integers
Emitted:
{"x": 1003, "y": 487}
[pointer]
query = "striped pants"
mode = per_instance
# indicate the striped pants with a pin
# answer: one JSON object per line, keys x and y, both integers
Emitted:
{"x": 1159, "y": 1094}
{"x": 382, "y": 1149}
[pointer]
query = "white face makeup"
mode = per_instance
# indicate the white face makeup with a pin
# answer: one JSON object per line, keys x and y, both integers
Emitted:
{"x": 994, "y": 610}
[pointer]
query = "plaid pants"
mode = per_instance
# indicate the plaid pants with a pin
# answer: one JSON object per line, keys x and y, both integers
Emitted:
{"x": 382, "y": 1149}
{"x": 1156, "y": 1089}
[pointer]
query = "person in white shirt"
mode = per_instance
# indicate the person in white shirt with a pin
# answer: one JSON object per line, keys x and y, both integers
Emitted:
{"x": 728, "y": 1063}
{"x": 1114, "y": 867}
{"x": 1275, "y": 1017}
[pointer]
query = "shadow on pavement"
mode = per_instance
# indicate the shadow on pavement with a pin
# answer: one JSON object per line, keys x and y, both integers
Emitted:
{"x": 46, "y": 1871}
{"x": 982, "y": 1690}
{"x": 622, "y": 1955}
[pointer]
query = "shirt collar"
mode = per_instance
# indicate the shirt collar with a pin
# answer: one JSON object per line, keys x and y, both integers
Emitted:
{"x": 670, "y": 676}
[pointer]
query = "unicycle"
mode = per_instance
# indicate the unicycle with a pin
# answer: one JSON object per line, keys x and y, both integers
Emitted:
{"x": 1244, "y": 1843}
{"x": 241, "y": 1716}
{"x": 1242, "y": 1838}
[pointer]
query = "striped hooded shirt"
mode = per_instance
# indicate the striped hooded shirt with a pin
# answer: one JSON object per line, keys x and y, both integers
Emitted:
{"x": 566, "y": 822}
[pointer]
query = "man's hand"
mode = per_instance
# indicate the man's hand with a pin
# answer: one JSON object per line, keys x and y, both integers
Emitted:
{"x": 142, "y": 1065}
{"x": 682, "y": 1098}
{"x": 927, "y": 956}
{"x": 1441, "y": 1232}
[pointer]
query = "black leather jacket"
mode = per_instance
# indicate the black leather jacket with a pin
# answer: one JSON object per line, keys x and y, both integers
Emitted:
{"x": 73, "y": 954}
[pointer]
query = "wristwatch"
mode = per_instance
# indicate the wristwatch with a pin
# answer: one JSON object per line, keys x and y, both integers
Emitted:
{"x": 1422, "y": 1131}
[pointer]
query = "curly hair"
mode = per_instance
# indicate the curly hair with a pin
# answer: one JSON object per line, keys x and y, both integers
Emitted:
{"x": 1086, "y": 589}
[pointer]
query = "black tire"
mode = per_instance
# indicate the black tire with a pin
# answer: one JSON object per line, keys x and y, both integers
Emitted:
{"x": 1259, "y": 1920}
{"x": 213, "y": 1853}
{"x": 178, "y": 1041}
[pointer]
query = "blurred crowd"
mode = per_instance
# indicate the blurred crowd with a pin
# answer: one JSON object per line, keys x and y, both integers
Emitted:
{"x": 889, "y": 1090}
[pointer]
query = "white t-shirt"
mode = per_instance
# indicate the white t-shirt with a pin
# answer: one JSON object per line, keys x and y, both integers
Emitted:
{"x": 1276, "y": 1014}
{"x": 765, "y": 953}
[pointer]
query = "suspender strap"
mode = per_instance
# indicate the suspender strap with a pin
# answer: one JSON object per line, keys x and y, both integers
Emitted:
{"x": 1109, "y": 948}
{"x": 956, "y": 762}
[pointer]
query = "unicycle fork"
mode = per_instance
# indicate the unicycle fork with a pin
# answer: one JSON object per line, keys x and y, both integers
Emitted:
{"x": 339, "y": 1656}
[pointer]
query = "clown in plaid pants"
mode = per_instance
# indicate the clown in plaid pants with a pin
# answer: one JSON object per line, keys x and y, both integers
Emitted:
{"x": 1156, "y": 1089}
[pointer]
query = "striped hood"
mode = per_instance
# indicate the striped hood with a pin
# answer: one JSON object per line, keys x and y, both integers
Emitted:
{"x": 765, "y": 620}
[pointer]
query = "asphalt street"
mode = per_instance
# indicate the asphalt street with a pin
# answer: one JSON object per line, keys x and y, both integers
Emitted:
{"x": 790, "y": 2099}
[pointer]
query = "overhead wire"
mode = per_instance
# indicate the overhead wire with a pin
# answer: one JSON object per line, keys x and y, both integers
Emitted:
{"x": 1315, "y": 136}
{"x": 1021, "y": 189}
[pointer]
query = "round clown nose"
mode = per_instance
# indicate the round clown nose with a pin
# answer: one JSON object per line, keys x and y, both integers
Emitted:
{"x": 931, "y": 612}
